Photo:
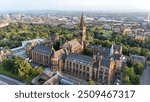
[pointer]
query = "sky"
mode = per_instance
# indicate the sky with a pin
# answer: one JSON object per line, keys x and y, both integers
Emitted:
{"x": 87, "y": 5}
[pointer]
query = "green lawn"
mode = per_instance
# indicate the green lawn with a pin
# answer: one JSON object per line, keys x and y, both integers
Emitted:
{"x": 105, "y": 32}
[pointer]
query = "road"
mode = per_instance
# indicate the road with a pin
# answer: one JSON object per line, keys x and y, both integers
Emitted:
{"x": 3, "y": 83}
{"x": 145, "y": 78}
{"x": 9, "y": 81}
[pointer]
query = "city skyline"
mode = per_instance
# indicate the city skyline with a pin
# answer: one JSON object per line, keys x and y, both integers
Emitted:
{"x": 84, "y": 5}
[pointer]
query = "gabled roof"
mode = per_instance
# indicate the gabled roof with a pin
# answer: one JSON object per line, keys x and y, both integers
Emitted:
{"x": 73, "y": 44}
{"x": 42, "y": 49}
{"x": 104, "y": 52}
{"x": 117, "y": 48}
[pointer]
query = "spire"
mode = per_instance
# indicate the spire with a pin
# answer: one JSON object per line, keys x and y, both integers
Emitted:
{"x": 82, "y": 22}
{"x": 83, "y": 31}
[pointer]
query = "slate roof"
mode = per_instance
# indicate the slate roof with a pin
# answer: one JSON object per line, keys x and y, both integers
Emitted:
{"x": 42, "y": 49}
{"x": 117, "y": 48}
{"x": 117, "y": 56}
{"x": 104, "y": 52}
{"x": 142, "y": 58}
{"x": 73, "y": 43}
{"x": 87, "y": 60}
{"x": 105, "y": 62}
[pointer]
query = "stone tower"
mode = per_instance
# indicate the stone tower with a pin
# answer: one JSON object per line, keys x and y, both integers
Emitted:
{"x": 54, "y": 60}
{"x": 83, "y": 31}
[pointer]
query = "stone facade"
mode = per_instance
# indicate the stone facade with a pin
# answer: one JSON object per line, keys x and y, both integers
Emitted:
{"x": 106, "y": 62}
{"x": 41, "y": 55}
{"x": 79, "y": 65}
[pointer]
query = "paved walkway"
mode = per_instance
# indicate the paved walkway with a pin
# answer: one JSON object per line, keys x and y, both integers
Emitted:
{"x": 3, "y": 83}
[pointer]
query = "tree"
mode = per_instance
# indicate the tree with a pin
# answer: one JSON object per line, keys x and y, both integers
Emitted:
{"x": 136, "y": 80}
{"x": 144, "y": 52}
{"x": 24, "y": 68}
{"x": 126, "y": 81}
{"x": 38, "y": 70}
{"x": 131, "y": 74}
{"x": 138, "y": 68}
{"x": 107, "y": 43}
{"x": 94, "y": 41}
{"x": 136, "y": 50}
{"x": 128, "y": 71}
{"x": 92, "y": 82}
{"x": 125, "y": 50}
{"x": 21, "y": 67}
{"x": 8, "y": 64}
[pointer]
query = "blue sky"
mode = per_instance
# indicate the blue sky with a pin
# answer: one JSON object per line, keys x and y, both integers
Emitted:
{"x": 114, "y": 5}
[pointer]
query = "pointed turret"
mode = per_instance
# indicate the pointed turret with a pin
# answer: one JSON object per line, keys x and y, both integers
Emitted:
{"x": 52, "y": 52}
{"x": 111, "y": 50}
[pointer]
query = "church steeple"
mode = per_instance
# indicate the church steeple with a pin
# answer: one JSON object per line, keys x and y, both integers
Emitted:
{"x": 82, "y": 22}
{"x": 83, "y": 31}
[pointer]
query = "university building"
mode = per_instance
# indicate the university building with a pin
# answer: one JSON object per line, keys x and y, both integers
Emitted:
{"x": 106, "y": 63}
{"x": 69, "y": 59}
{"x": 79, "y": 65}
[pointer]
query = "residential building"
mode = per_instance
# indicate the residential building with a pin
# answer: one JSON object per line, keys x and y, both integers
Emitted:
{"x": 4, "y": 53}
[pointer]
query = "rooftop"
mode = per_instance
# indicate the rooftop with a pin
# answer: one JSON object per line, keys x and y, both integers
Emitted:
{"x": 42, "y": 49}
{"x": 80, "y": 58}
{"x": 60, "y": 54}
{"x": 73, "y": 43}
{"x": 104, "y": 52}
{"x": 138, "y": 57}
{"x": 117, "y": 56}
{"x": 67, "y": 81}
{"x": 117, "y": 48}
{"x": 105, "y": 62}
